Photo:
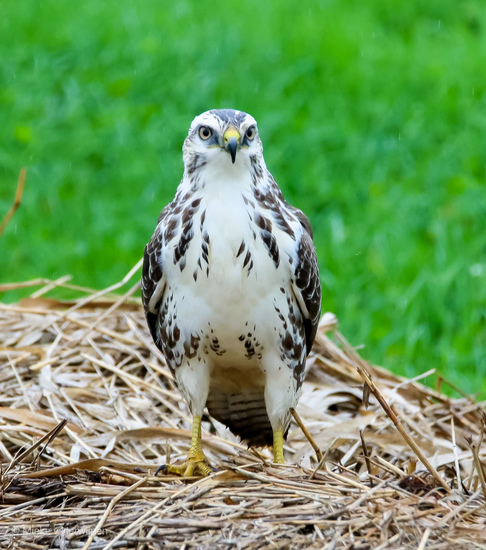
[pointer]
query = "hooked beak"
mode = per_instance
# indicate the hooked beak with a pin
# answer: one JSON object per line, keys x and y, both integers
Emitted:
{"x": 231, "y": 140}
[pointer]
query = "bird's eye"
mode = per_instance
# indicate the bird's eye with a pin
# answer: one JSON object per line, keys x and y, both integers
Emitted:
{"x": 205, "y": 132}
{"x": 251, "y": 133}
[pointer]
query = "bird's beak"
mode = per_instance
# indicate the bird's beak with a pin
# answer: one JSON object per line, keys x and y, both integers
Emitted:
{"x": 231, "y": 140}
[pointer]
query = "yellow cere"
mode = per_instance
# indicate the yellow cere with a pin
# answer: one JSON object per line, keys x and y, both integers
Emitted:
{"x": 230, "y": 133}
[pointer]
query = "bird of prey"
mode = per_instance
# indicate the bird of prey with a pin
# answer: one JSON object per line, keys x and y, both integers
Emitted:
{"x": 230, "y": 287}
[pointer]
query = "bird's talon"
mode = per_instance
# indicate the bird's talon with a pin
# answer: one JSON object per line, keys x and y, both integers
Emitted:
{"x": 162, "y": 468}
{"x": 190, "y": 468}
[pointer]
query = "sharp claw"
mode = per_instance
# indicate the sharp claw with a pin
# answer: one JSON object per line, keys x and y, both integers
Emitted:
{"x": 162, "y": 468}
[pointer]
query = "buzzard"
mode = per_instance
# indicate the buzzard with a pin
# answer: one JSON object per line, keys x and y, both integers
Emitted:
{"x": 230, "y": 287}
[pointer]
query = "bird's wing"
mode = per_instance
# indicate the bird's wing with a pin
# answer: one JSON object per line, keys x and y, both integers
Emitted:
{"x": 153, "y": 280}
{"x": 303, "y": 219}
{"x": 307, "y": 285}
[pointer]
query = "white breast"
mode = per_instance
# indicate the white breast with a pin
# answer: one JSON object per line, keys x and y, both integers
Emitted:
{"x": 225, "y": 294}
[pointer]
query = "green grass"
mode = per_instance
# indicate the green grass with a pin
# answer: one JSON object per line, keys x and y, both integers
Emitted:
{"x": 373, "y": 118}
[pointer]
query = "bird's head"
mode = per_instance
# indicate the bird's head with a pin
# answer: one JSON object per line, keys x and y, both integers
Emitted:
{"x": 222, "y": 136}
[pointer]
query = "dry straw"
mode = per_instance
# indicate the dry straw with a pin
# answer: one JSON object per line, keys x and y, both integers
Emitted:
{"x": 88, "y": 410}
{"x": 17, "y": 200}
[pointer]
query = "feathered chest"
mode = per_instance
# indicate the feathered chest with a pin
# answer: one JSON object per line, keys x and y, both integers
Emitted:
{"x": 235, "y": 271}
{"x": 229, "y": 241}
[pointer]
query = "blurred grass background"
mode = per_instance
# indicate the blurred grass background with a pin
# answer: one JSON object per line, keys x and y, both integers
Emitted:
{"x": 373, "y": 118}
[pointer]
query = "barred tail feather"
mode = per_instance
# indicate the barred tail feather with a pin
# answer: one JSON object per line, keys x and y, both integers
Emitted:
{"x": 244, "y": 413}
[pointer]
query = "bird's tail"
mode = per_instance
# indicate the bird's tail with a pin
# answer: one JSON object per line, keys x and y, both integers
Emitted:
{"x": 244, "y": 413}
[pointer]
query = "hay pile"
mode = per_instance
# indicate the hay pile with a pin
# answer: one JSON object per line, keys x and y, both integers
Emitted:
{"x": 88, "y": 410}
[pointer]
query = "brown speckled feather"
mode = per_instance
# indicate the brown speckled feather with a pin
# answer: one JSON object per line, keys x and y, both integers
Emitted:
{"x": 307, "y": 280}
{"x": 151, "y": 277}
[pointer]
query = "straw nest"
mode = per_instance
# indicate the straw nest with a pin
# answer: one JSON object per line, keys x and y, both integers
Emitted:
{"x": 89, "y": 410}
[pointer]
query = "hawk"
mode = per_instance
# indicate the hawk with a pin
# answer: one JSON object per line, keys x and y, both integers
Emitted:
{"x": 230, "y": 287}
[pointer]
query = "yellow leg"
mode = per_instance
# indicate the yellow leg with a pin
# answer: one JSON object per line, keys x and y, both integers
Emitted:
{"x": 278, "y": 456}
{"x": 196, "y": 463}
